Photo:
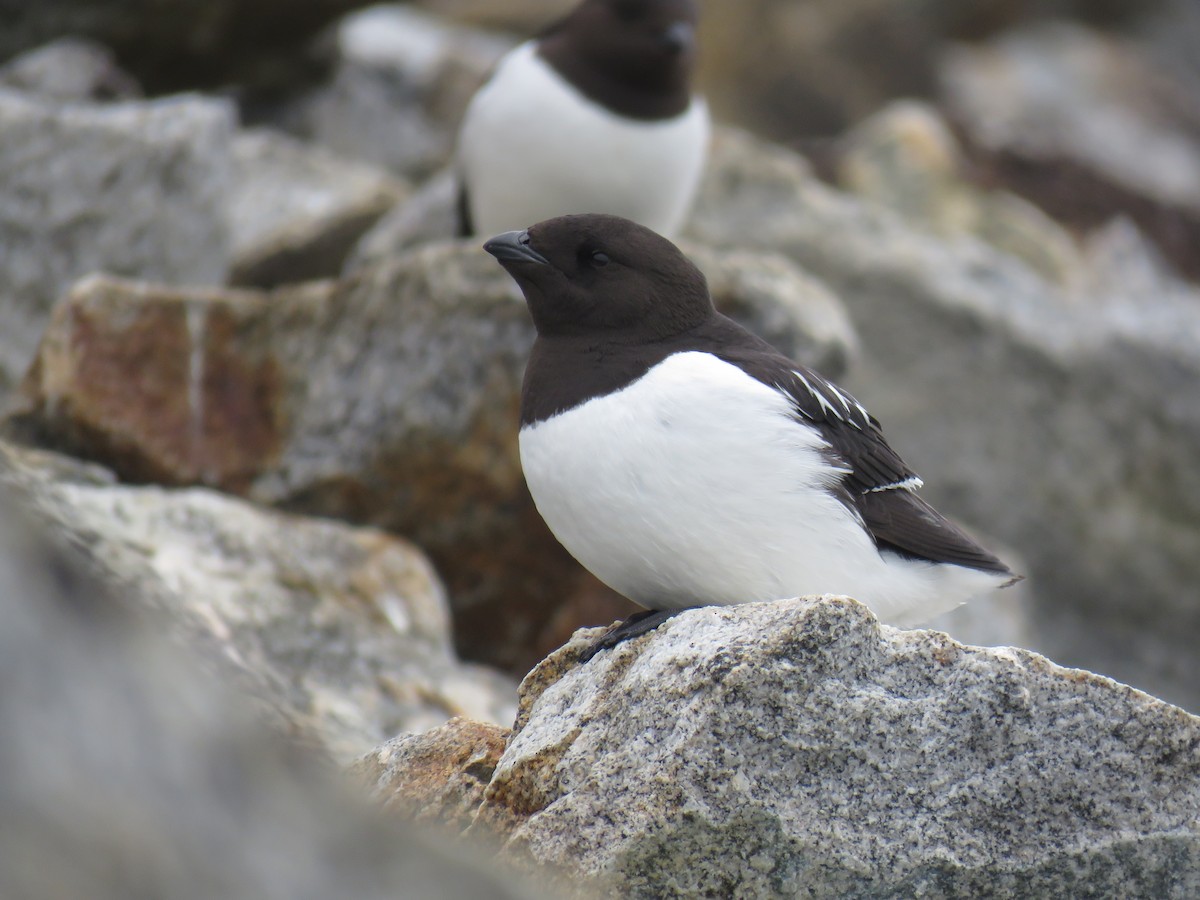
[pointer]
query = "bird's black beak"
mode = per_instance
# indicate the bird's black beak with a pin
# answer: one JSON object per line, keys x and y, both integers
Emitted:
{"x": 513, "y": 246}
{"x": 679, "y": 37}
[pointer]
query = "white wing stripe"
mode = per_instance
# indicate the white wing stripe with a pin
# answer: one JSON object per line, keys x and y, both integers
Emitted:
{"x": 908, "y": 484}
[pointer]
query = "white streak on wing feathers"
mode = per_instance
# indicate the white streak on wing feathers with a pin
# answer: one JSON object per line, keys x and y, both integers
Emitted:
{"x": 912, "y": 483}
{"x": 848, "y": 403}
{"x": 866, "y": 416}
{"x": 826, "y": 406}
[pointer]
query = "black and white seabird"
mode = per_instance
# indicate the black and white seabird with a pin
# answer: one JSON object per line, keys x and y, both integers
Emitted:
{"x": 595, "y": 115}
{"x": 685, "y": 462}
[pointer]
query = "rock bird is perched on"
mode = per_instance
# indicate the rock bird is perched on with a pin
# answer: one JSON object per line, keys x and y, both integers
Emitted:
{"x": 594, "y": 115}
{"x": 685, "y": 462}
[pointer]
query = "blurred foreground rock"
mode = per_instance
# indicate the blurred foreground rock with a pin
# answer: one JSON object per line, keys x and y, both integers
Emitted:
{"x": 339, "y": 634}
{"x": 1064, "y": 421}
{"x": 135, "y": 189}
{"x": 130, "y": 768}
{"x": 388, "y": 399}
{"x": 799, "y": 748}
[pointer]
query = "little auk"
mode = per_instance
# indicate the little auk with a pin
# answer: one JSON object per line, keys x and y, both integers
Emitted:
{"x": 595, "y": 115}
{"x": 685, "y": 462}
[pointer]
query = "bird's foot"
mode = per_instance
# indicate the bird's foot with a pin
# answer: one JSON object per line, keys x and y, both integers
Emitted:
{"x": 637, "y": 624}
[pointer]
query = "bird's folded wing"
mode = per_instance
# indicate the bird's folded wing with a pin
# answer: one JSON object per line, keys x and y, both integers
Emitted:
{"x": 876, "y": 482}
{"x": 903, "y": 522}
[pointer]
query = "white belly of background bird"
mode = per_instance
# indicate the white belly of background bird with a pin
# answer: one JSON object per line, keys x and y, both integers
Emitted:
{"x": 531, "y": 147}
{"x": 696, "y": 485}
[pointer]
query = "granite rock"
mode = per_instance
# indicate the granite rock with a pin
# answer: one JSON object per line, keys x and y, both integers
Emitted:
{"x": 429, "y": 214}
{"x": 389, "y": 399}
{"x": 1061, "y": 90}
{"x": 803, "y": 71}
{"x": 436, "y": 777}
{"x": 135, "y": 189}
{"x": 799, "y": 748}
{"x": 296, "y": 211}
{"x": 1170, "y": 37}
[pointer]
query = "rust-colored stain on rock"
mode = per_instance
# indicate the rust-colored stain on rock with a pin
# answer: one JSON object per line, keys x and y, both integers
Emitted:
{"x": 161, "y": 391}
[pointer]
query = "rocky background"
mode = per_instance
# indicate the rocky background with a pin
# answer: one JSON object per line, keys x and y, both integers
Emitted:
{"x": 258, "y": 465}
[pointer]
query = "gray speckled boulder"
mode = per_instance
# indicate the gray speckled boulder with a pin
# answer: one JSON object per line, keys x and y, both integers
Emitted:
{"x": 798, "y": 748}
{"x": 135, "y": 189}
{"x": 428, "y": 215}
{"x": 295, "y": 211}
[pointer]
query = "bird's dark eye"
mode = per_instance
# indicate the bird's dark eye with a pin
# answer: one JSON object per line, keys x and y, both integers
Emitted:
{"x": 599, "y": 258}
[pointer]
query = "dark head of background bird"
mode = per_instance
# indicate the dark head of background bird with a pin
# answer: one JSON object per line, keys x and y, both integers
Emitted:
{"x": 603, "y": 275}
{"x": 632, "y": 56}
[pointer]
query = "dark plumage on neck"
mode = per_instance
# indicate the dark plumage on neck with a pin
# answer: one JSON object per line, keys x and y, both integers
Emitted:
{"x": 633, "y": 57}
{"x": 638, "y": 311}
